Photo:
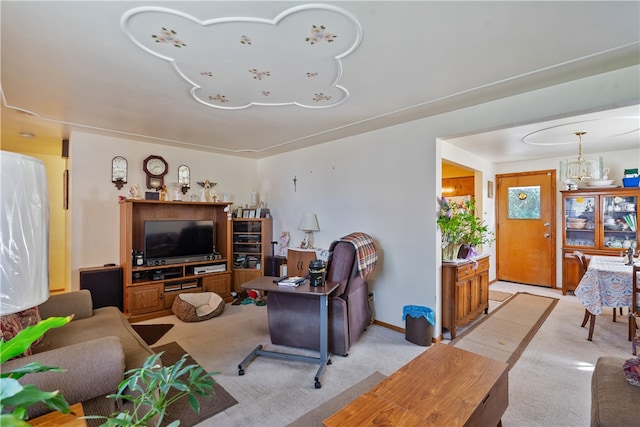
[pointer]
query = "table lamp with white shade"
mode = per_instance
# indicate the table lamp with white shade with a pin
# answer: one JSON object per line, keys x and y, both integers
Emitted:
{"x": 24, "y": 233}
{"x": 308, "y": 224}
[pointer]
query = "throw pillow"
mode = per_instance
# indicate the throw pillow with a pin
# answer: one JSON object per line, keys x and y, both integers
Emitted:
{"x": 11, "y": 326}
{"x": 30, "y": 317}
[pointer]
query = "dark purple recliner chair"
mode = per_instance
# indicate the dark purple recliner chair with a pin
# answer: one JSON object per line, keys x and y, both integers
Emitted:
{"x": 294, "y": 320}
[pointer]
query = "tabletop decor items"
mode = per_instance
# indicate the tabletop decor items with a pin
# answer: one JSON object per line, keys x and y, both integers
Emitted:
{"x": 460, "y": 226}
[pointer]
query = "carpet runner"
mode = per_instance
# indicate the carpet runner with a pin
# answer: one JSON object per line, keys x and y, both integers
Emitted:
{"x": 505, "y": 332}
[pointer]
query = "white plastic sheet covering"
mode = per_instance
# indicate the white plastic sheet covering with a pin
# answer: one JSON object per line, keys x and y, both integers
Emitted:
{"x": 24, "y": 233}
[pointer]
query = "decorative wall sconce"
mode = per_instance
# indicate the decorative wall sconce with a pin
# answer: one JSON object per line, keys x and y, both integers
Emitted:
{"x": 184, "y": 178}
{"x": 119, "y": 167}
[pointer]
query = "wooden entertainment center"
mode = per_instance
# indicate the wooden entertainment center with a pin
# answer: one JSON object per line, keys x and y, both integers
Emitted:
{"x": 149, "y": 290}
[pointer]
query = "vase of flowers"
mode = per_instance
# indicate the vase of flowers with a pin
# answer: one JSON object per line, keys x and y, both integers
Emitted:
{"x": 460, "y": 227}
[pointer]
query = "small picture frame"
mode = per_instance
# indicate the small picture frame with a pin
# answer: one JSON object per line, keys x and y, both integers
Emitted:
{"x": 252, "y": 213}
{"x": 245, "y": 213}
{"x": 490, "y": 189}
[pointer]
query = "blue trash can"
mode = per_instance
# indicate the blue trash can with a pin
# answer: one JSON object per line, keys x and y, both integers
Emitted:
{"x": 419, "y": 322}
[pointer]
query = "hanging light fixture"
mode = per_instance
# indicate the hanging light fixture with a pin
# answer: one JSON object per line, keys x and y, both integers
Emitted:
{"x": 583, "y": 169}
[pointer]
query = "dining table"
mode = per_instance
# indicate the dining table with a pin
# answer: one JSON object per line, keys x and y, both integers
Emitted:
{"x": 606, "y": 283}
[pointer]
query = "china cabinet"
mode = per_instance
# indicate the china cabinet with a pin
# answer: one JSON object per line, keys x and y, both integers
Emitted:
{"x": 596, "y": 221}
{"x": 251, "y": 240}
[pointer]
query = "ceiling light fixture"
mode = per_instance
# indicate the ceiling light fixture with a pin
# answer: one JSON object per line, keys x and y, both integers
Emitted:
{"x": 583, "y": 169}
{"x": 27, "y": 135}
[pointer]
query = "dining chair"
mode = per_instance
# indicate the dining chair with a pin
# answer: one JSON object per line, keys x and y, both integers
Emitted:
{"x": 634, "y": 310}
{"x": 583, "y": 264}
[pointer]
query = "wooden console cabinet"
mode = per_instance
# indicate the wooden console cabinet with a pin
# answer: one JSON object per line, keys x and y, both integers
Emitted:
{"x": 149, "y": 291}
{"x": 298, "y": 261}
{"x": 465, "y": 292}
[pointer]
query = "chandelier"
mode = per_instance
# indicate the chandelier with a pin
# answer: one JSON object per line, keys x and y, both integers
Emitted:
{"x": 582, "y": 169}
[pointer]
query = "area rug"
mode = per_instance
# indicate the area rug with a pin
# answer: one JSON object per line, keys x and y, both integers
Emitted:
{"x": 499, "y": 295}
{"x": 152, "y": 333}
{"x": 181, "y": 410}
{"x": 505, "y": 332}
{"x": 315, "y": 417}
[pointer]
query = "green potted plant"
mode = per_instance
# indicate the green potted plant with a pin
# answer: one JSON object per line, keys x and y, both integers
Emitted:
{"x": 460, "y": 227}
{"x": 152, "y": 388}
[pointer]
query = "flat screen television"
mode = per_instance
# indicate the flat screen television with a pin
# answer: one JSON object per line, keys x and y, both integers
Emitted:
{"x": 178, "y": 241}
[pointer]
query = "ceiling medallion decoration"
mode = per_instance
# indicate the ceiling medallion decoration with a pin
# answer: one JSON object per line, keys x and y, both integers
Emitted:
{"x": 319, "y": 34}
{"x": 281, "y": 54}
{"x": 168, "y": 36}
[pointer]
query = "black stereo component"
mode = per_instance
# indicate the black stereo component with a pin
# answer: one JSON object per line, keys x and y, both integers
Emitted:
{"x": 162, "y": 275}
{"x": 139, "y": 275}
{"x": 138, "y": 258}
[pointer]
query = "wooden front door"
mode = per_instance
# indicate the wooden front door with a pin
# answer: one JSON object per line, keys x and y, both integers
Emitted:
{"x": 525, "y": 233}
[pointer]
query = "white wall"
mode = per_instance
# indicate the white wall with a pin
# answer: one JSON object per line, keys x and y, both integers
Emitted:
{"x": 95, "y": 213}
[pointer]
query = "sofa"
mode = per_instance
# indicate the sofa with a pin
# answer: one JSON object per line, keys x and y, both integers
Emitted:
{"x": 294, "y": 319}
{"x": 614, "y": 401}
{"x": 95, "y": 349}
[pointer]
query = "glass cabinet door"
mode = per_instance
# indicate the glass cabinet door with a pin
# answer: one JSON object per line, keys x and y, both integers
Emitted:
{"x": 620, "y": 221}
{"x": 579, "y": 214}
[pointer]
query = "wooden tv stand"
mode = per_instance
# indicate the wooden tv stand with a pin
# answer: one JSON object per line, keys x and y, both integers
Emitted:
{"x": 444, "y": 386}
{"x": 149, "y": 291}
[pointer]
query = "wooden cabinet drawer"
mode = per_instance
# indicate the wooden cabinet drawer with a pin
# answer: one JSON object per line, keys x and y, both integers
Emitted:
{"x": 465, "y": 271}
{"x": 483, "y": 264}
{"x": 469, "y": 270}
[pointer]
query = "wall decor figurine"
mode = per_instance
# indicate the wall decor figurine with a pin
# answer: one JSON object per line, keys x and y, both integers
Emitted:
{"x": 207, "y": 194}
{"x": 284, "y": 243}
{"x": 134, "y": 192}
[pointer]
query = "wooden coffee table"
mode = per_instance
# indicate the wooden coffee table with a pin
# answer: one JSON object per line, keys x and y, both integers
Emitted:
{"x": 72, "y": 419}
{"x": 444, "y": 386}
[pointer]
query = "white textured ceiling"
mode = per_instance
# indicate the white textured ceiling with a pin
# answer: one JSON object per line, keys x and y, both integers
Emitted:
{"x": 258, "y": 78}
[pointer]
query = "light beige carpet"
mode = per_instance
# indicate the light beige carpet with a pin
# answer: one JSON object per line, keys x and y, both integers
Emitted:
{"x": 315, "y": 417}
{"x": 505, "y": 333}
{"x": 499, "y": 295}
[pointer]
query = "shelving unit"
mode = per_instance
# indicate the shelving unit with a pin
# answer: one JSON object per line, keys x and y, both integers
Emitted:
{"x": 596, "y": 221}
{"x": 149, "y": 291}
{"x": 251, "y": 240}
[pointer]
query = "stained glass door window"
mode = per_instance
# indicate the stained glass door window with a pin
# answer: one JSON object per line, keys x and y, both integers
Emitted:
{"x": 524, "y": 202}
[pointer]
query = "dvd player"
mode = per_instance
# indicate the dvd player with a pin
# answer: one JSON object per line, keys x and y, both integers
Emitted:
{"x": 205, "y": 269}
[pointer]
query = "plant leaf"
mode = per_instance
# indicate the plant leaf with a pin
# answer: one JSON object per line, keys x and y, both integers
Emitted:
{"x": 23, "y": 340}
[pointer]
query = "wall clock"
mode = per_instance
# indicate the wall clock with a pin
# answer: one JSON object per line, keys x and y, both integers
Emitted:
{"x": 155, "y": 167}
{"x": 119, "y": 171}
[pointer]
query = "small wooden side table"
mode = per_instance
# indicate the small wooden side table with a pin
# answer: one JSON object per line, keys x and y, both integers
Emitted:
{"x": 444, "y": 386}
{"x": 56, "y": 418}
